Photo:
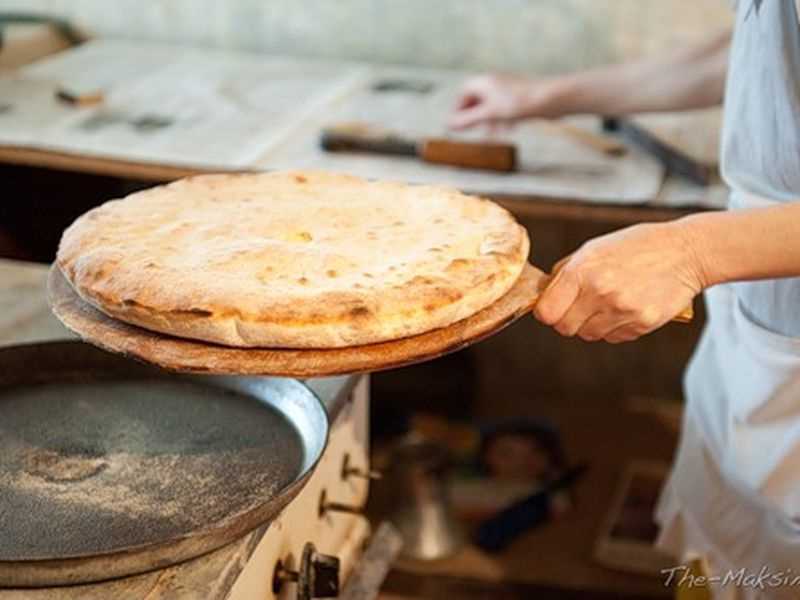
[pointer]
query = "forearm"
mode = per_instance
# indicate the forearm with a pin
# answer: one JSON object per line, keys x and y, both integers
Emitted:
{"x": 691, "y": 78}
{"x": 759, "y": 243}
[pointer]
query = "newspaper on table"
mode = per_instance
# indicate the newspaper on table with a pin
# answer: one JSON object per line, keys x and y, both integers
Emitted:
{"x": 171, "y": 105}
{"x": 550, "y": 164}
{"x": 227, "y": 110}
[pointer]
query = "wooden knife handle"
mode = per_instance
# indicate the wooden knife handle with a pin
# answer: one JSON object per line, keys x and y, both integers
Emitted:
{"x": 472, "y": 155}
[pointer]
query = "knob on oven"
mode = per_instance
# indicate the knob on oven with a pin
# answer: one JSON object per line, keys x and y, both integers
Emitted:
{"x": 348, "y": 471}
{"x": 326, "y": 506}
{"x": 318, "y": 576}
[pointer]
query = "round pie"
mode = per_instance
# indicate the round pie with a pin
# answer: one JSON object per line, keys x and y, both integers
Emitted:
{"x": 293, "y": 260}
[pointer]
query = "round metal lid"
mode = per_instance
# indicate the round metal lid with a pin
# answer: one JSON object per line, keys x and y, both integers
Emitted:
{"x": 109, "y": 467}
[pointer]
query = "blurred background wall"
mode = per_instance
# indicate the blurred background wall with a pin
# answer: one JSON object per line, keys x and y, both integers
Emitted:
{"x": 516, "y": 35}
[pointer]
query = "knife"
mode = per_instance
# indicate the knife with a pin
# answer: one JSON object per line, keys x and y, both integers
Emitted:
{"x": 442, "y": 151}
{"x": 674, "y": 160}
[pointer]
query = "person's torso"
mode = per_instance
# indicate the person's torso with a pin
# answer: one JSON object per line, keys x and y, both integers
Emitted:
{"x": 743, "y": 384}
{"x": 761, "y": 134}
{"x": 760, "y": 155}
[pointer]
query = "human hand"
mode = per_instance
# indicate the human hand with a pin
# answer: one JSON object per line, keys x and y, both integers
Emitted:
{"x": 503, "y": 99}
{"x": 623, "y": 285}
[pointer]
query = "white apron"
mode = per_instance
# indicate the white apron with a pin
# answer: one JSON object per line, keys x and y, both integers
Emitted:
{"x": 734, "y": 495}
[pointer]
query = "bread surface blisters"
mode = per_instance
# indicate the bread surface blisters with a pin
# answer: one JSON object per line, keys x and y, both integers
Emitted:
{"x": 293, "y": 260}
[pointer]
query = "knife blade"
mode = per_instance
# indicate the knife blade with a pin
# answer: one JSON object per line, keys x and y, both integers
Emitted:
{"x": 675, "y": 161}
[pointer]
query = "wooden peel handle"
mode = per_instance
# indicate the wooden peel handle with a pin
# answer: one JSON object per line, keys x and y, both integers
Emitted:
{"x": 472, "y": 155}
{"x": 685, "y": 316}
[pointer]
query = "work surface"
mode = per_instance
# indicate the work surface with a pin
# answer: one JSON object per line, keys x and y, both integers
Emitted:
{"x": 26, "y": 318}
{"x": 169, "y": 111}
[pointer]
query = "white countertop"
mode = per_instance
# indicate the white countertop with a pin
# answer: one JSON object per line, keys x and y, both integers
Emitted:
{"x": 163, "y": 103}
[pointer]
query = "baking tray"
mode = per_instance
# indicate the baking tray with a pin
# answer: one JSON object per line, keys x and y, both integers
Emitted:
{"x": 109, "y": 467}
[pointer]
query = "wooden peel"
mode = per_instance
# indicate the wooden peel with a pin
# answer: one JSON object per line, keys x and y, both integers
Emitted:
{"x": 184, "y": 355}
{"x": 178, "y": 354}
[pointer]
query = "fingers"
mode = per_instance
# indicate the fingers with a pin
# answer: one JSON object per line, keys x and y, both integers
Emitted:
{"x": 498, "y": 129}
{"x": 609, "y": 327}
{"x": 592, "y": 316}
{"x": 468, "y": 100}
{"x": 597, "y": 327}
{"x": 476, "y": 86}
{"x": 575, "y": 318}
{"x": 494, "y": 99}
{"x": 625, "y": 333}
{"x": 474, "y": 114}
{"x": 557, "y": 267}
{"x": 593, "y": 327}
{"x": 471, "y": 107}
{"x": 557, "y": 298}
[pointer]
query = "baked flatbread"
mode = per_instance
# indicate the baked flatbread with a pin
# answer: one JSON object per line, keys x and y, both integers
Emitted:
{"x": 293, "y": 260}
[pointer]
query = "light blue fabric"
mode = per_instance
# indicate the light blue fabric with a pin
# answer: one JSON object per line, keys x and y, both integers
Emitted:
{"x": 743, "y": 383}
{"x": 761, "y": 138}
{"x": 734, "y": 495}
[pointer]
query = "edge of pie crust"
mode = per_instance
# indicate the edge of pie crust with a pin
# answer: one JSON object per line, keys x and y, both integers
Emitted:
{"x": 293, "y": 260}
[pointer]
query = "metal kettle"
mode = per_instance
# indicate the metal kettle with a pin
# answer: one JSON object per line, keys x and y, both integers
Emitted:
{"x": 424, "y": 515}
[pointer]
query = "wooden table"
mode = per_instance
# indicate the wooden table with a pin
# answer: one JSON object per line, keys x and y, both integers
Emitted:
{"x": 572, "y": 209}
{"x": 43, "y": 41}
{"x": 32, "y": 43}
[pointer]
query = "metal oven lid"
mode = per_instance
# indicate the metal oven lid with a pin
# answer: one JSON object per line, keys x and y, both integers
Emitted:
{"x": 110, "y": 468}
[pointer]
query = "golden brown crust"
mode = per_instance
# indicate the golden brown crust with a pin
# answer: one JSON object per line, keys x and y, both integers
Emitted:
{"x": 293, "y": 259}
